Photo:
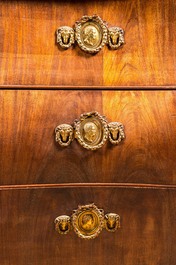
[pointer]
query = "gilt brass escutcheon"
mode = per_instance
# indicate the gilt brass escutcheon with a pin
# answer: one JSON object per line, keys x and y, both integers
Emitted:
{"x": 91, "y": 33}
{"x": 87, "y": 222}
{"x": 91, "y": 131}
{"x": 115, "y": 37}
{"x": 65, "y": 37}
{"x": 112, "y": 222}
{"x": 63, "y": 224}
{"x": 116, "y": 132}
{"x": 64, "y": 134}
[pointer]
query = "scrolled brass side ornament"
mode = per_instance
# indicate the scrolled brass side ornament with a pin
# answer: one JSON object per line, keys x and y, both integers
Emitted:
{"x": 64, "y": 134}
{"x": 91, "y": 33}
{"x": 87, "y": 222}
{"x": 91, "y": 131}
{"x": 63, "y": 224}
{"x": 65, "y": 37}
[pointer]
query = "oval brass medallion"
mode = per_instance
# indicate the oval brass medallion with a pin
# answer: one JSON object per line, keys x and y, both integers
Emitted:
{"x": 91, "y": 35}
{"x": 91, "y": 130}
{"x": 88, "y": 221}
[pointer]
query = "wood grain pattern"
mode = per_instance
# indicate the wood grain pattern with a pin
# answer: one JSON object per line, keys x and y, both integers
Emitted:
{"x": 29, "y": 154}
{"x": 29, "y": 55}
{"x": 40, "y": 180}
{"x": 147, "y": 234}
{"x": 148, "y": 58}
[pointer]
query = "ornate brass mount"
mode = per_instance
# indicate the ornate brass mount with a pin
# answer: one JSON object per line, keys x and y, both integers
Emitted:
{"x": 91, "y": 130}
{"x": 91, "y": 33}
{"x": 87, "y": 222}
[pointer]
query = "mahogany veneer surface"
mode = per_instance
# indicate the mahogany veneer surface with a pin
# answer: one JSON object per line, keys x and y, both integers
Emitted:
{"x": 147, "y": 234}
{"x": 29, "y": 153}
{"x": 137, "y": 178}
{"x": 30, "y": 56}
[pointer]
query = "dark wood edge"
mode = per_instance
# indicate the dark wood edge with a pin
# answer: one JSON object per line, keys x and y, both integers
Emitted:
{"x": 88, "y": 185}
{"x": 46, "y": 87}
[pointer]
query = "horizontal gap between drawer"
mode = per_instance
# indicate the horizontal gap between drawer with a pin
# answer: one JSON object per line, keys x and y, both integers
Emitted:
{"x": 89, "y": 185}
{"x": 108, "y": 88}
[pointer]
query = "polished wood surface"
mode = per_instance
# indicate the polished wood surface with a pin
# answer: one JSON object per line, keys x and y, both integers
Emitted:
{"x": 29, "y": 55}
{"x": 147, "y": 234}
{"x": 40, "y": 180}
{"x": 29, "y": 154}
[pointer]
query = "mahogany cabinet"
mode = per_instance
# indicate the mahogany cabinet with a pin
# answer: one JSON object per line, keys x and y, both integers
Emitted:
{"x": 42, "y": 86}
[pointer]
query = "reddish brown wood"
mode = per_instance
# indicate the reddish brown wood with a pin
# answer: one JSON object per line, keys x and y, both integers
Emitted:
{"x": 148, "y": 55}
{"x": 147, "y": 234}
{"x": 29, "y": 154}
{"x": 30, "y": 56}
{"x": 40, "y": 180}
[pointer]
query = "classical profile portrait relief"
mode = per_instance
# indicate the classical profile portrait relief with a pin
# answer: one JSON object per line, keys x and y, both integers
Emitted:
{"x": 88, "y": 222}
{"x": 90, "y": 35}
{"x": 90, "y": 132}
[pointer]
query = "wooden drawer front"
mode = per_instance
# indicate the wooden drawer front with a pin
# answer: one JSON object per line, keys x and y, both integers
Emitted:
{"x": 29, "y": 54}
{"x": 146, "y": 236}
{"x": 29, "y": 153}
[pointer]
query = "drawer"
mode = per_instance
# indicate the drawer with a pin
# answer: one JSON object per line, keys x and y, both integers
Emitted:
{"x": 29, "y": 55}
{"x": 146, "y": 236}
{"x": 30, "y": 155}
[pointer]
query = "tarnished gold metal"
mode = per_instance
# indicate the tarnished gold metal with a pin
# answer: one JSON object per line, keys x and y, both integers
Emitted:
{"x": 115, "y": 37}
{"x": 112, "y": 222}
{"x": 65, "y": 36}
{"x": 116, "y": 132}
{"x": 63, "y": 224}
{"x": 91, "y": 33}
{"x": 91, "y": 130}
{"x": 87, "y": 222}
{"x": 64, "y": 134}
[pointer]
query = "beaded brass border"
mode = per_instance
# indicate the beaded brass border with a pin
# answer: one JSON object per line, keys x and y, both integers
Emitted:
{"x": 103, "y": 128}
{"x": 115, "y": 37}
{"x": 67, "y": 34}
{"x": 104, "y": 32}
{"x": 91, "y": 34}
{"x": 91, "y": 131}
{"x": 87, "y": 222}
{"x": 88, "y": 210}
